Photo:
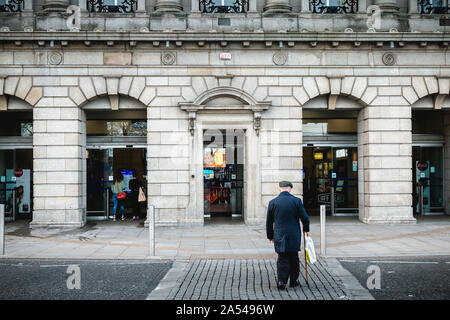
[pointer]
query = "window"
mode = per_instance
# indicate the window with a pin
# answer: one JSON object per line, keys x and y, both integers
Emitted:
{"x": 116, "y": 128}
{"x": 11, "y": 5}
{"x": 224, "y": 6}
{"x": 432, "y": 6}
{"x": 333, "y": 6}
{"x": 114, "y": 6}
{"x": 16, "y": 124}
{"x": 329, "y": 126}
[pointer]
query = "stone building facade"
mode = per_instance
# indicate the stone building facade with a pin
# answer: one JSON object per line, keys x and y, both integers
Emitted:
{"x": 262, "y": 67}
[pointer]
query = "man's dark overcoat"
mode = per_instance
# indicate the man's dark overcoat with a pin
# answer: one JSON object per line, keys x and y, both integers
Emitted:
{"x": 282, "y": 223}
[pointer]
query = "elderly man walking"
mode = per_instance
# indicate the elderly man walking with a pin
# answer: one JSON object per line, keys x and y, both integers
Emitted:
{"x": 283, "y": 229}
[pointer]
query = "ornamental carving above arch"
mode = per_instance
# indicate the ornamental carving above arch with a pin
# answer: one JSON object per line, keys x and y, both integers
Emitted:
{"x": 247, "y": 103}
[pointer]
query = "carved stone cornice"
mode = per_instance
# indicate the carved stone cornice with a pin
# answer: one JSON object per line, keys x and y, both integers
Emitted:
{"x": 193, "y": 109}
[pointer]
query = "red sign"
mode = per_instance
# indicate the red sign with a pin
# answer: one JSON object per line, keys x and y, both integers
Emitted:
{"x": 18, "y": 173}
{"x": 422, "y": 166}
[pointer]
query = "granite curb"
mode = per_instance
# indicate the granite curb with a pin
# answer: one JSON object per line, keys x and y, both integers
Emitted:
{"x": 354, "y": 288}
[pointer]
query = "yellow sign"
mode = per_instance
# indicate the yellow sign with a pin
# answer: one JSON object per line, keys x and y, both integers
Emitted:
{"x": 219, "y": 160}
{"x": 318, "y": 156}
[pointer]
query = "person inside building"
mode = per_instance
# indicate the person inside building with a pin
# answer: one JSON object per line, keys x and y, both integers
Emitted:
{"x": 118, "y": 189}
{"x": 283, "y": 229}
{"x": 134, "y": 185}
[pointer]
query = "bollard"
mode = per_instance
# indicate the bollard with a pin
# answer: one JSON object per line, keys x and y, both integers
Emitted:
{"x": 14, "y": 208}
{"x": 151, "y": 231}
{"x": 2, "y": 229}
{"x": 323, "y": 241}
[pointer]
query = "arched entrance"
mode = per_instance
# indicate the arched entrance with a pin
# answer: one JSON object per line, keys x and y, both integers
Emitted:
{"x": 116, "y": 142}
{"x": 429, "y": 140}
{"x": 224, "y": 149}
{"x": 16, "y": 159}
{"x": 330, "y": 156}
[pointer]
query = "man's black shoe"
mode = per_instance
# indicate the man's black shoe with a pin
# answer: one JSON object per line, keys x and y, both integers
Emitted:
{"x": 281, "y": 285}
{"x": 296, "y": 283}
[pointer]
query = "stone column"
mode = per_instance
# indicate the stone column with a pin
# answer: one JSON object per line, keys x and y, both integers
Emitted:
{"x": 55, "y": 5}
{"x": 168, "y": 6}
{"x": 168, "y": 161}
{"x": 195, "y": 6}
{"x": 362, "y": 6}
{"x": 385, "y": 141}
{"x": 389, "y": 6}
{"x": 83, "y": 5}
{"x": 277, "y": 6}
{"x": 281, "y": 143}
{"x": 59, "y": 161}
{"x": 305, "y": 6}
{"x": 252, "y": 6}
{"x": 28, "y": 6}
{"x": 412, "y": 6}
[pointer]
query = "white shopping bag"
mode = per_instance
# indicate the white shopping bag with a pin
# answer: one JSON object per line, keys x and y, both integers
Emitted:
{"x": 309, "y": 249}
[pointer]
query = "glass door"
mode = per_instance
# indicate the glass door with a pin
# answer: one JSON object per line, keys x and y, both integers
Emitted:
{"x": 99, "y": 179}
{"x": 223, "y": 173}
{"x": 330, "y": 178}
{"x": 102, "y": 165}
{"x": 345, "y": 180}
{"x": 317, "y": 173}
{"x": 16, "y": 181}
{"x": 428, "y": 180}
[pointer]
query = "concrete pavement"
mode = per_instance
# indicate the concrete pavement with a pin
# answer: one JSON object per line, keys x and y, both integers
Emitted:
{"x": 346, "y": 237}
{"x": 223, "y": 255}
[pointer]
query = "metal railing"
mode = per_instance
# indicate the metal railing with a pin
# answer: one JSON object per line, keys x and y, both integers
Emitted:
{"x": 333, "y": 6}
{"x": 112, "y": 6}
{"x": 432, "y": 6}
{"x": 218, "y": 6}
{"x": 12, "y": 6}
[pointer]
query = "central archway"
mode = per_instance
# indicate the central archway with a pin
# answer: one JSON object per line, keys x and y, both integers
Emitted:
{"x": 218, "y": 112}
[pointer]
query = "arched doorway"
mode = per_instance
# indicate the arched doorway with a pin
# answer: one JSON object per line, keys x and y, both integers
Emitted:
{"x": 429, "y": 140}
{"x": 16, "y": 159}
{"x": 330, "y": 156}
{"x": 116, "y": 142}
{"x": 224, "y": 150}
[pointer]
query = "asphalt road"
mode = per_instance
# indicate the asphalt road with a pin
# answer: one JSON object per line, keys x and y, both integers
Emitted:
{"x": 402, "y": 278}
{"x": 75, "y": 280}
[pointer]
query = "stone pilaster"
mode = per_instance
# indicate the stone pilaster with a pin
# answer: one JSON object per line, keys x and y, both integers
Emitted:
{"x": 168, "y": 156}
{"x": 277, "y": 6}
{"x": 168, "y": 6}
{"x": 305, "y": 6}
{"x": 385, "y": 140}
{"x": 412, "y": 6}
{"x": 59, "y": 161}
{"x": 280, "y": 137}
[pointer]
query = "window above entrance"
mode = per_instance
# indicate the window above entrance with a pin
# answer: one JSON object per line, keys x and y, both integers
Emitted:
{"x": 428, "y": 122}
{"x": 116, "y": 128}
{"x": 329, "y": 126}
{"x": 16, "y": 124}
{"x": 224, "y": 6}
{"x": 117, "y": 123}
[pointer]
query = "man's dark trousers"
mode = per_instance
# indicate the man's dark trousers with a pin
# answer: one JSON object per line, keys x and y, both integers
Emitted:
{"x": 288, "y": 266}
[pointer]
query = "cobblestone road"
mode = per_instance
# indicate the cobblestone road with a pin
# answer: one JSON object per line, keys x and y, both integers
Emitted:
{"x": 255, "y": 279}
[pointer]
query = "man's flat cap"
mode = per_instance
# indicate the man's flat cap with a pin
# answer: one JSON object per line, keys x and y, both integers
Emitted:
{"x": 285, "y": 184}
